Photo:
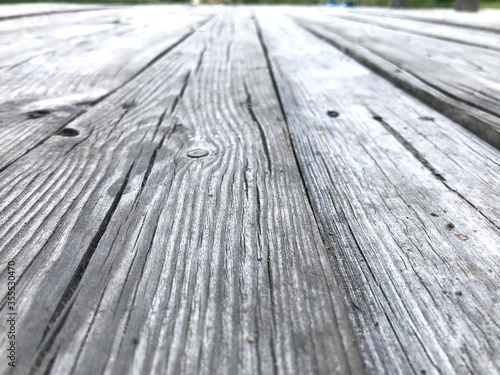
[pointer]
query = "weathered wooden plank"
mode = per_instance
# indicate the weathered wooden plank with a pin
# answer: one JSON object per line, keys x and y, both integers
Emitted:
{"x": 442, "y": 74}
{"x": 132, "y": 34}
{"x": 10, "y": 11}
{"x": 179, "y": 242}
{"x": 32, "y": 36}
{"x": 486, "y": 20}
{"x": 464, "y": 163}
{"x": 38, "y": 33}
{"x": 41, "y": 97}
{"x": 477, "y": 38}
{"x": 422, "y": 294}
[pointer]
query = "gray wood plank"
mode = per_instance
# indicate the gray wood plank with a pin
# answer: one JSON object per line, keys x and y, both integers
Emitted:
{"x": 456, "y": 79}
{"x": 32, "y": 32}
{"x": 422, "y": 295}
{"x": 486, "y": 20}
{"x": 465, "y": 164}
{"x": 140, "y": 252}
{"x": 41, "y": 96}
{"x": 11, "y": 11}
{"x": 478, "y": 38}
{"x": 38, "y": 33}
{"x": 138, "y": 34}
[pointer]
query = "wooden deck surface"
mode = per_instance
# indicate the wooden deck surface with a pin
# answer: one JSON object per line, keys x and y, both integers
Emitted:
{"x": 231, "y": 190}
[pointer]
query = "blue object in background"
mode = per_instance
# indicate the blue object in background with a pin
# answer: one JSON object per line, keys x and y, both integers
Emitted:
{"x": 342, "y": 4}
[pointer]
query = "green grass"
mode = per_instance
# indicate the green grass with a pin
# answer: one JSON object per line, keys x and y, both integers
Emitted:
{"x": 491, "y": 4}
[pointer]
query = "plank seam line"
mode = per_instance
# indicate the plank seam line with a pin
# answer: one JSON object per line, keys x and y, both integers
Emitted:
{"x": 51, "y": 363}
{"x": 301, "y": 173}
{"x": 275, "y": 87}
{"x": 91, "y": 104}
{"x": 395, "y": 28}
{"x": 425, "y": 163}
{"x": 268, "y": 260}
{"x": 17, "y": 16}
{"x": 439, "y": 22}
{"x": 78, "y": 275}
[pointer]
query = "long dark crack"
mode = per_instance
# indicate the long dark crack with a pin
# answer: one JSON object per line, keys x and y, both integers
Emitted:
{"x": 181, "y": 94}
{"x": 426, "y": 164}
{"x": 200, "y": 60}
{"x": 249, "y": 105}
{"x": 78, "y": 275}
{"x": 438, "y": 175}
{"x": 43, "y": 354}
{"x": 268, "y": 258}
{"x": 155, "y": 153}
{"x": 283, "y": 112}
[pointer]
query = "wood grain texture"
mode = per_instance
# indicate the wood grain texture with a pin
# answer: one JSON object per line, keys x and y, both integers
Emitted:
{"x": 486, "y": 19}
{"x": 423, "y": 295}
{"x": 478, "y": 38}
{"x": 138, "y": 252}
{"x": 197, "y": 191}
{"x": 98, "y": 57}
{"x": 440, "y": 73}
{"x": 462, "y": 162}
{"x": 11, "y": 11}
{"x": 96, "y": 53}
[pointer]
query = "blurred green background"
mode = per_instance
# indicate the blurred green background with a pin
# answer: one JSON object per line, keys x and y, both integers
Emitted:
{"x": 382, "y": 3}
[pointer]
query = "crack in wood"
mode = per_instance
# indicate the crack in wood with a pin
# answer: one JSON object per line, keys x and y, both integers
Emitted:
{"x": 153, "y": 158}
{"x": 425, "y": 163}
{"x": 263, "y": 138}
{"x": 78, "y": 275}
{"x": 438, "y": 175}
{"x": 283, "y": 113}
{"x": 178, "y": 98}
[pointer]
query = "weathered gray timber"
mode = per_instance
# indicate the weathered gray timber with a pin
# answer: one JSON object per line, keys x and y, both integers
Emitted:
{"x": 486, "y": 20}
{"x": 43, "y": 9}
{"x": 99, "y": 56}
{"x": 210, "y": 190}
{"x": 453, "y": 78}
{"x": 478, "y": 38}
{"x": 421, "y": 293}
{"x": 170, "y": 262}
{"x": 444, "y": 147}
